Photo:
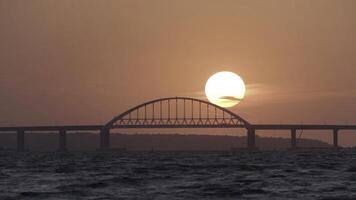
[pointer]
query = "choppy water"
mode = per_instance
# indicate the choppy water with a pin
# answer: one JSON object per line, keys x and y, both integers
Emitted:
{"x": 168, "y": 176}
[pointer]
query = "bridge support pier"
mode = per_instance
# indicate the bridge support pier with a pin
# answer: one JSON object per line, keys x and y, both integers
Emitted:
{"x": 104, "y": 139}
{"x": 293, "y": 138}
{"x": 251, "y": 138}
{"x": 62, "y": 141}
{"x": 20, "y": 141}
{"x": 335, "y": 138}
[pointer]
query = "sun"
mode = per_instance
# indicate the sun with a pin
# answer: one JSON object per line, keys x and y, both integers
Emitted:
{"x": 225, "y": 89}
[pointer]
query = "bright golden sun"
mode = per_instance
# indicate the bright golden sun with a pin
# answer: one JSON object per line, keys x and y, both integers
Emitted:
{"x": 225, "y": 89}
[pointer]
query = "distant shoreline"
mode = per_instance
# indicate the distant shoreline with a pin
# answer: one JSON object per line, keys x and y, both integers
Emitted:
{"x": 154, "y": 142}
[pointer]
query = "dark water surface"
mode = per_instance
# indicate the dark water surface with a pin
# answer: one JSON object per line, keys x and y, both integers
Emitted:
{"x": 250, "y": 175}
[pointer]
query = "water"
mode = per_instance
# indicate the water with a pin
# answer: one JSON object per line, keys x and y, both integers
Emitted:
{"x": 169, "y": 176}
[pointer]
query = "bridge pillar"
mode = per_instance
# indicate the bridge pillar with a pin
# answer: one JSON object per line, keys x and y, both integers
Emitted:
{"x": 251, "y": 138}
{"x": 104, "y": 138}
{"x": 293, "y": 138}
{"x": 62, "y": 141}
{"x": 335, "y": 138}
{"x": 20, "y": 141}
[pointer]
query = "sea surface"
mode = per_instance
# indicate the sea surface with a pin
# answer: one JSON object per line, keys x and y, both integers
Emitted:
{"x": 323, "y": 174}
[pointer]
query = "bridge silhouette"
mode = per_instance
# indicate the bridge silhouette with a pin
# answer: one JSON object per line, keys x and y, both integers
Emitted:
{"x": 174, "y": 112}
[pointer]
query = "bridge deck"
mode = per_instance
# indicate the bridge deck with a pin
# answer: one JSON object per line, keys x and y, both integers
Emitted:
{"x": 254, "y": 126}
{"x": 302, "y": 127}
{"x": 52, "y": 128}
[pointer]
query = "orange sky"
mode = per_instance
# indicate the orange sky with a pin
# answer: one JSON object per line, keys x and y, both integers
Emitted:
{"x": 82, "y": 62}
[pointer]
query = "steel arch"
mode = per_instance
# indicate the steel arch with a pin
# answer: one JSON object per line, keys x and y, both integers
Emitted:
{"x": 128, "y": 119}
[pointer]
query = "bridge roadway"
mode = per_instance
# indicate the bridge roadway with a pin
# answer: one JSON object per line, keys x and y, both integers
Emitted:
{"x": 62, "y": 130}
{"x": 253, "y": 126}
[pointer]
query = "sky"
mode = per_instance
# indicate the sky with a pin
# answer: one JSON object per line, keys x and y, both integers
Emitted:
{"x": 83, "y": 62}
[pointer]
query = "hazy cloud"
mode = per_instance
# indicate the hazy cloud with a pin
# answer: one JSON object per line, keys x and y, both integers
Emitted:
{"x": 264, "y": 93}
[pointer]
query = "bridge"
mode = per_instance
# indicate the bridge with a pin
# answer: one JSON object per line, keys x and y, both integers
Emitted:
{"x": 174, "y": 112}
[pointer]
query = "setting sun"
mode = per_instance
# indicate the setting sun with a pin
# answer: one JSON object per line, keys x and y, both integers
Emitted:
{"x": 225, "y": 89}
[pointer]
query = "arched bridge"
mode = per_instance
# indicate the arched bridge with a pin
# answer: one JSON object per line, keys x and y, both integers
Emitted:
{"x": 177, "y": 112}
{"x": 174, "y": 112}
